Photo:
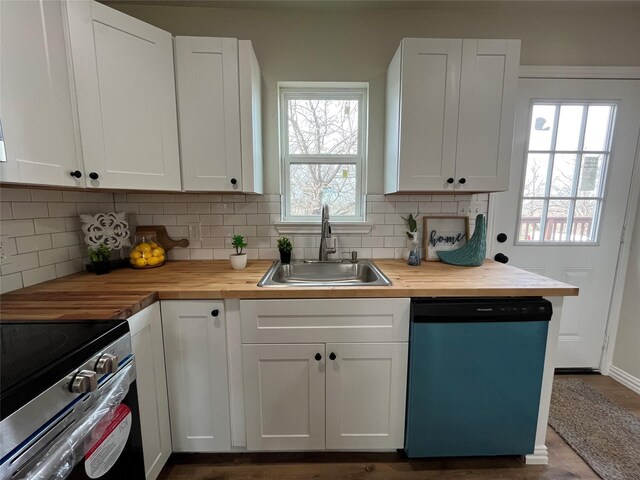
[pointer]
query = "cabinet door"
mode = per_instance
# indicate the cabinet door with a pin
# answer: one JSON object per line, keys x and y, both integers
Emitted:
{"x": 209, "y": 109}
{"x": 366, "y": 394}
{"x": 196, "y": 353}
{"x": 148, "y": 349}
{"x": 487, "y": 107}
{"x": 125, "y": 88}
{"x": 430, "y": 83}
{"x": 284, "y": 396}
{"x": 36, "y": 107}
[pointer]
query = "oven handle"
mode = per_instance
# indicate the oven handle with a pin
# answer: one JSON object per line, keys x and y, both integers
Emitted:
{"x": 63, "y": 456}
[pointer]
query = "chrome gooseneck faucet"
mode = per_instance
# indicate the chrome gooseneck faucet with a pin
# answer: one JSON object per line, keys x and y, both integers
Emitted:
{"x": 325, "y": 233}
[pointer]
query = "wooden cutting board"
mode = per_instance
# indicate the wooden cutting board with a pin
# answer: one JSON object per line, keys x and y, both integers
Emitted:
{"x": 163, "y": 237}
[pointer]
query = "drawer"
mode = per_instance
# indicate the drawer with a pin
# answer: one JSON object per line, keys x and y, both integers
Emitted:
{"x": 325, "y": 320}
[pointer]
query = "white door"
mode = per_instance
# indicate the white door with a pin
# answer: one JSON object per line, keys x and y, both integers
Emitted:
{"x": 485, "y": 121}
{"x": 284, "y": 395}
{"x": 125, "y": 88}
{"x": 209, "y": 110}
{"x": 563, "y": 215}
{"x": 366, "y": 393}
{"x": 36, "y": 106}
{"x": 196, "y": 355}
{"x": 148, "y": 348}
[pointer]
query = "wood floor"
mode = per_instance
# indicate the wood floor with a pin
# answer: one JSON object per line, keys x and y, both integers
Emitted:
{"x": 564, "y": 463}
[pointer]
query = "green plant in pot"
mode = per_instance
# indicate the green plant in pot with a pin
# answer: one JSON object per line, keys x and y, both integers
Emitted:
{"x": 238, "y": 260}
{"x": 100, "y": 257}
{"x": 285, "y": 247}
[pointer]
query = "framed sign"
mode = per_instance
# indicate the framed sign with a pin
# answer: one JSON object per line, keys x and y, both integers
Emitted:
{"x": 444, "y": 233}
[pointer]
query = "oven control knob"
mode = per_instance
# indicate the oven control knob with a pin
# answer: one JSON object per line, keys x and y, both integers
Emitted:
{"x": 85, "y": 381}
{"x": 107, "y": 363}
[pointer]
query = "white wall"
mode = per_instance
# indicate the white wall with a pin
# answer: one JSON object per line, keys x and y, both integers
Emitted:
{"x": 347, "y": 43}
{"x": 627, "y": 348}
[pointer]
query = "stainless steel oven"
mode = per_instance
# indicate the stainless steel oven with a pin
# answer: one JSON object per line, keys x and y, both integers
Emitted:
{"x": 69, "y": 402}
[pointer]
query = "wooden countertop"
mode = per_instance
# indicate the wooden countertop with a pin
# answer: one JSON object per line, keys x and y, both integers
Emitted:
{"x": 124, "y": 292}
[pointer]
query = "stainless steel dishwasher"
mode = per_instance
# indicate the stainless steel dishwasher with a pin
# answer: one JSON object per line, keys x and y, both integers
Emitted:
{"x": 475, "y": 374}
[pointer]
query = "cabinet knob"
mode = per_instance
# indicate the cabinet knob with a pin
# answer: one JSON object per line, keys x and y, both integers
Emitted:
{"x": 318, "y": 357}
{"x": 233, "y": 181}
{"x": 463, "y": 180}
{"x": 94, "y": 176}
{"x": 332, "y": 356}
{"x": 501, "y": 257}
{"x": 502, "y": 237}
{"x": 450, "y": 180}
{"x": 214, "y": 313}
{"x": 76, "y": 174}
{"x": 85, "y": 381}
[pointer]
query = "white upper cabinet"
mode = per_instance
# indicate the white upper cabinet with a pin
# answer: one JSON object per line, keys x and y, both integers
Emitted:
{"x": 449, "y": 115}
{"x": 218, "y": 83}
{"x": 125, "y": 88}
{"x": 36, "y": 101}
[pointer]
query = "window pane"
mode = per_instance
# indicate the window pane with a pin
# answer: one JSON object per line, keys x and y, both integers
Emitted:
{"x": 569, "y": 126}
{"x": 535, "y": 182}
{"x": 582, "y": 229}
{"x": 564, "y": 167}
{"x": 313, "y": 184}
{"x": 325, "y": 127}
{"x": 542, "y": 120}
{"x": 590, "y": 175}
{"x": 556, "y": 226}
{"x": 595, "y": 135}
{"x": 530, "y": 219}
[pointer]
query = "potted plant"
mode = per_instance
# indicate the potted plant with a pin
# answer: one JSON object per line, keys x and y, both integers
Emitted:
{"x": 414, "y": 257}
{"x": 238, "y": 259}
{"x": 285, "y": 247}
{"x": 100, "y": 257}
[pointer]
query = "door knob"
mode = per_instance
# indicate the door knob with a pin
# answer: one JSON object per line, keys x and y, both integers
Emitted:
{"x": 450, "y": 180}
{"x": 501, "y": 257}
{"x": 332, "y": 356}
{"x": 76, "y": 174}
{"x": 463, "y": 180}
{"x": 318, "y": 357}
{"x": 94, "y": 176}
{"x": 502, "y": 237}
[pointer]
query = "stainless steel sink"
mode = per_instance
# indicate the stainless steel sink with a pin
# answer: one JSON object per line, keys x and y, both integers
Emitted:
{"x": 324, "y": 274}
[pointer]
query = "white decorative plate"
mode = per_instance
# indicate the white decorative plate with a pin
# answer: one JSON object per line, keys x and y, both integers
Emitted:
{"x": 111, "y": 228}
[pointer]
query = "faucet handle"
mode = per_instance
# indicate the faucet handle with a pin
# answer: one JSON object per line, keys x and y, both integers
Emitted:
{"x": 354, "y": 257}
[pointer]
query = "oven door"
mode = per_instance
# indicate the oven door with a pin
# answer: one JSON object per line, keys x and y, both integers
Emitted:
{"x": 100, "y": 438}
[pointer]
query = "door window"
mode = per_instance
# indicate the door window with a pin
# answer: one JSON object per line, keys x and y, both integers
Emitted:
{"x": 566, "y": 162}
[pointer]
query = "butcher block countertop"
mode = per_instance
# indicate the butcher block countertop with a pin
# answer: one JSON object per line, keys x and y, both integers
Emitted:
{"x": 124, "y": 292}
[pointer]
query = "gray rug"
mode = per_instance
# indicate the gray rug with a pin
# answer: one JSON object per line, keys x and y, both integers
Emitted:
{"x": 605, "y": 435}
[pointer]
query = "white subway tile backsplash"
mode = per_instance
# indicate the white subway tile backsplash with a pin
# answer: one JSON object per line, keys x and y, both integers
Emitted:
{"x": 235, "y": 219}
{"x": 67, "y": 268}
{"x": 175, "y": 208}
{"x": 202, "y": 254}
{"x": 38, "y": 275}
{"x": 269, "y": 207}
{"x": 65, "y": 239}
{"x": 246, "y": 208}
{"x": 16, "y": 228}
{"x": 46, "y": 196}
{"x": 211, "y": 219}
{"x": 33, "y": 243}
{"x": 55, "y": 255}
{"x": 148, "y": 208}
{"x": 6, "y": 212}
{"x": 8, "y": 194}
{"x": 164, "y": 220}
{"x": 23, "y": 210}
{"x": 11, "y": 282}
{"x": 198, "y": 208}
{"x": 63, "y": 209}
{"x": 50, "y": 225}
{"x": 19, "y": 263}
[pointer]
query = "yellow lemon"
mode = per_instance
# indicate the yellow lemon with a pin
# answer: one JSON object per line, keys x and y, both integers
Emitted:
{"x": 135, "y": 254}
{"x": 157, "y": 252}
{"x": 132, "y": 261}
{"x": 147, "y": 254}
{"x": 141, "y": 262}
{"x": 162, "y": 257}
{"x": 153, "y": 261}
{"x": 143, "y": 247}
{"x": 153, "y": 245}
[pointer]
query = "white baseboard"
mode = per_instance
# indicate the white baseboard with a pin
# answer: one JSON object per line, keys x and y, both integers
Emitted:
{"x": 625, "y": 378}
{"x": 540, "y": 456}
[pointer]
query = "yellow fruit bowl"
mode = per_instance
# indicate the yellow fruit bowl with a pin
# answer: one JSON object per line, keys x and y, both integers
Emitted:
{"x": 147, "y": 255}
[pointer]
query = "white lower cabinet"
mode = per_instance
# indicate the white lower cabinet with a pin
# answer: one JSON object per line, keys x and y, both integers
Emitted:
{"x": 324, "y": 394}
{"x": 197, "y": 378}
{"x": 147, "y": 345}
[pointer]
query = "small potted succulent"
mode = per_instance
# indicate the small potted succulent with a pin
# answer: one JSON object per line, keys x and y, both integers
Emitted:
{"x": 100, "y": 257}
{"x": 285, "y": 247}
{"x": 238, "y": 259}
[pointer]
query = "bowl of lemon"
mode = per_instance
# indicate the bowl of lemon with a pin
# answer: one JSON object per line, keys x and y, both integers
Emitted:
{"x": 147, "y": 252}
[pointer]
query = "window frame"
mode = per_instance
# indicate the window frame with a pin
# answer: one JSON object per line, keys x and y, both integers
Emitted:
{"x": 579, "y": 153}
{"x": 323, "y": 90}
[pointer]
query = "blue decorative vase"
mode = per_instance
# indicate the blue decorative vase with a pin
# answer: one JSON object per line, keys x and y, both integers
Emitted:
{"x": 474, "y": 252}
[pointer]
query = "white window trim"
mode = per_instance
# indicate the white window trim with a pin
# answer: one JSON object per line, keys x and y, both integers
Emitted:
{"x": 308, "y": 224}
